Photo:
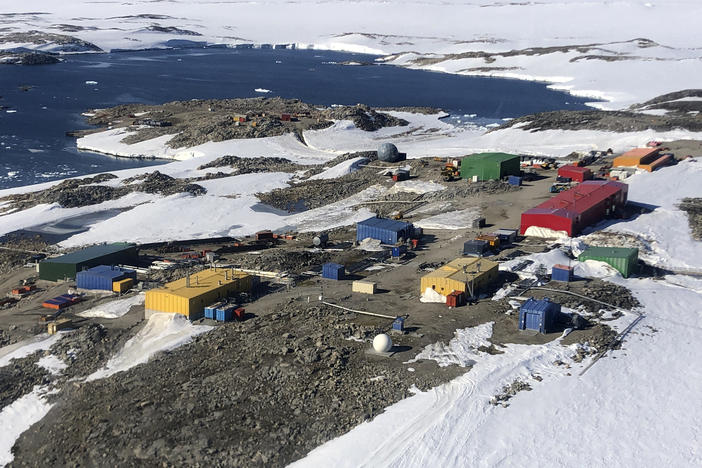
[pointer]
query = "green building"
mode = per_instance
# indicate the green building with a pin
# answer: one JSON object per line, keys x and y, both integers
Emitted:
{"x": 622, "y": 259}
{"x": 66, "y": 266}
{"x": 488, "y": 166}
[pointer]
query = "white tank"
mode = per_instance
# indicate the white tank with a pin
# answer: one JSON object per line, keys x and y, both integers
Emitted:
{"x": 382, "y": 343}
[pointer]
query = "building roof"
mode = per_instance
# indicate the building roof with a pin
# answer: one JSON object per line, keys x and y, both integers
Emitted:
{"x": 107, "y": 271}
{"x": 91, "y": 253}
{"x": 571, "y": 168}
{"x": 494, "y": 157}
{"x": 539, "y": 305}
{"x": 573, "y": 202}
{"x": 383, "y": 223}
{"x": 634, "y": 157}
{"x": 463, "y": 269}
{"x": 202, "y": 282}
{"x": 611, "y": 252}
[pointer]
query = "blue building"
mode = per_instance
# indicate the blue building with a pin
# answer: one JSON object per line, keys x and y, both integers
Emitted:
{"x": 387, "y": 231}
{"x": 102, "y": 276}
{"x": 539, "y": 315}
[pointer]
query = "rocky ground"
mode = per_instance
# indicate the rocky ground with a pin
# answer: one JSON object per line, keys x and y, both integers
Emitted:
{"x": 259, "y": 393}
{"x": 16, "y": 250}
{"x": 73, "y": 193}
{"x": 679, "y": 114}
{"x": 693, "y": 208}
{"x": 196, "y": 121}
{"x": 28, "y": 58}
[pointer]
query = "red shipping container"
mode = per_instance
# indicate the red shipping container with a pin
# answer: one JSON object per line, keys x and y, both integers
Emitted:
{"x": 285, "y": 117}
{"x": 455, "y": 299}
{"x": 239, "y": 313}
{"x": 576, "y": 173}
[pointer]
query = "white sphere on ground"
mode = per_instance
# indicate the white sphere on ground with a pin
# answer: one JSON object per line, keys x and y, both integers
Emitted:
{"x": 382, "y": 343}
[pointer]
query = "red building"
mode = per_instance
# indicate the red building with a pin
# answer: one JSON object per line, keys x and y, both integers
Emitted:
{"x": 575, "y": 173}
{"x": 573, "y": 210}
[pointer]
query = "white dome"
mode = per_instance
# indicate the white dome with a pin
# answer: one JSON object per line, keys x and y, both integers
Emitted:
{"x": 382, "y": 343}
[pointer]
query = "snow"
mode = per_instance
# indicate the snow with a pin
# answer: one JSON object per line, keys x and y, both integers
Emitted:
{"x": 162, "y": 332}
{"x": 460, "y": 350}
{"x": 26, "y": 347}
{"x": 19, "y": 416}
{"x": 52, "y": 363}
{"x": 262, "y": 90}
{"x": 666, "y": 228}
{"x": 341, "y": 169}
{"x": 431, "y": 296}
{"x": 416, "y": 186}
{"x": 114, "y": 309}
{"x": 460, "y": 219}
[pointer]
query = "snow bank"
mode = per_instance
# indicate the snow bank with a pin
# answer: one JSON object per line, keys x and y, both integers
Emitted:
{"x": 416, "y": 186}
{"x": 18, "y": 417}
{"x": 431, "y": 296}
{"x": 114, "y": 309}
{"x": 26, "y": 347}
{"x": 460, "y": 219}
{"x": 546, "y": 233}
{"x": 52, "y": 363}
{"x": 161, "y": 333}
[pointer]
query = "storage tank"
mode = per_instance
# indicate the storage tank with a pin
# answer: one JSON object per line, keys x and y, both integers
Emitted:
{"x": 321, "y": 239}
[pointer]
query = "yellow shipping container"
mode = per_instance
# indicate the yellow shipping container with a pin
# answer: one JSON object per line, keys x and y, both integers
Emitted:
{"x": 364, "y": 287}
{"x": 461, "y": 274}
{"x": 189, "y": 296}
{"x": 122, "y": 285}
{"x": 60, "y": 324}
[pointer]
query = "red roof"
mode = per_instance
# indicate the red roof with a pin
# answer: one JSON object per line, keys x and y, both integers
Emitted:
{"x": 573, "y": 202}
{"x": 570, "y": 168}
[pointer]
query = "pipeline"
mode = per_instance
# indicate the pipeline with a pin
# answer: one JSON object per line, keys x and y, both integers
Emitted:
{"x": 360, "y": 311}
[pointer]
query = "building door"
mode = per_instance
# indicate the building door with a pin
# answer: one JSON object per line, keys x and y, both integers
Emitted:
{"x": 533, "y": 321}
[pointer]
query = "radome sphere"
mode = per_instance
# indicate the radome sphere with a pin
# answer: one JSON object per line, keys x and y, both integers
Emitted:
{"x": 382, "y": 343}
{"x": 388, "y": 152}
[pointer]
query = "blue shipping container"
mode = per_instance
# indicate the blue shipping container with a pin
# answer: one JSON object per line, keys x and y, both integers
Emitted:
{"x": 561, "y": 273}
{"x": 211, "y": 310}
{"x": 514, "y": 180}
{"x": 539, "y": 315}
{"x": 387, "y": 231}
{"x": 399, "y": 324}
{"x": 398, "y": 250}
{"x": 333, "y": 271}
{"x": 225, "y": 314}
{"x": 102, "y": 276}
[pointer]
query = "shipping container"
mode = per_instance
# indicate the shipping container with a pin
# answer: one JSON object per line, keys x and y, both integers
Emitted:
{"x": 399, "y": 324}
{"x": 285, "y": 117}
{"x": 514, "y": 180}
{"x": 467, "y": 274}
{"x": 211, "y": 310}
{"x": 123, "y": 285}
{"x": 575, "y": 173}
{"x": 561, "y": 273}
{"x": 399, "y": 250}
{"x": 400, "y": 175}
{"x": 622, "y": 259}
{"x": 225, "y": 314}
{"x": 475, "y": 248}
{"x": 363, "y": 287}
{"x": 333, "y": 271}
{"x": 239, "y": 314}
{"x": 506, "y": 236}
{"x": 487, "y": 166}
{"x": 493, "y": 241}
{"x": 573, "y": 210}
{"x": 539, "y": 315}
{"x": 387, "y": 231}
{"x": 60, "y": 324}
{"x": 478, "y": 223}
{"x": 455, "y": 299}
{"x": 664, "y": 160}
{"x": 264, "y": 235}
{"x": 67, "y": 266}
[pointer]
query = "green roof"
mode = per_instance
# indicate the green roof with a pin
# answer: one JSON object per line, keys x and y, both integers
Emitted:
{"x": 90, "y": 253}
{"x": 497, "y": 157}
{"x": 612, "y": 252}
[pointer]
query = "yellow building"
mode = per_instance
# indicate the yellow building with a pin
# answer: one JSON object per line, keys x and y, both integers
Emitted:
{"x": 465, "y": 274}
{"x": 189, "y": 296}
{"x": 364, "y": 287}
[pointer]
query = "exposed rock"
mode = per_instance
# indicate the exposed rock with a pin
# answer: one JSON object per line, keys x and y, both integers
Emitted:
{"x": 693, "y": 208}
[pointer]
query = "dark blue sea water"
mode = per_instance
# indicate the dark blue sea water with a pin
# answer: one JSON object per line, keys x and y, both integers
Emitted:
{"x": 43, "y": 102}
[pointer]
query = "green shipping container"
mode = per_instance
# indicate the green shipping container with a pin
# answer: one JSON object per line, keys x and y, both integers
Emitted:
{"x": 488, "y": 166}
{"x": 622, "y": 259}
{"x": 66, "y": 266}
